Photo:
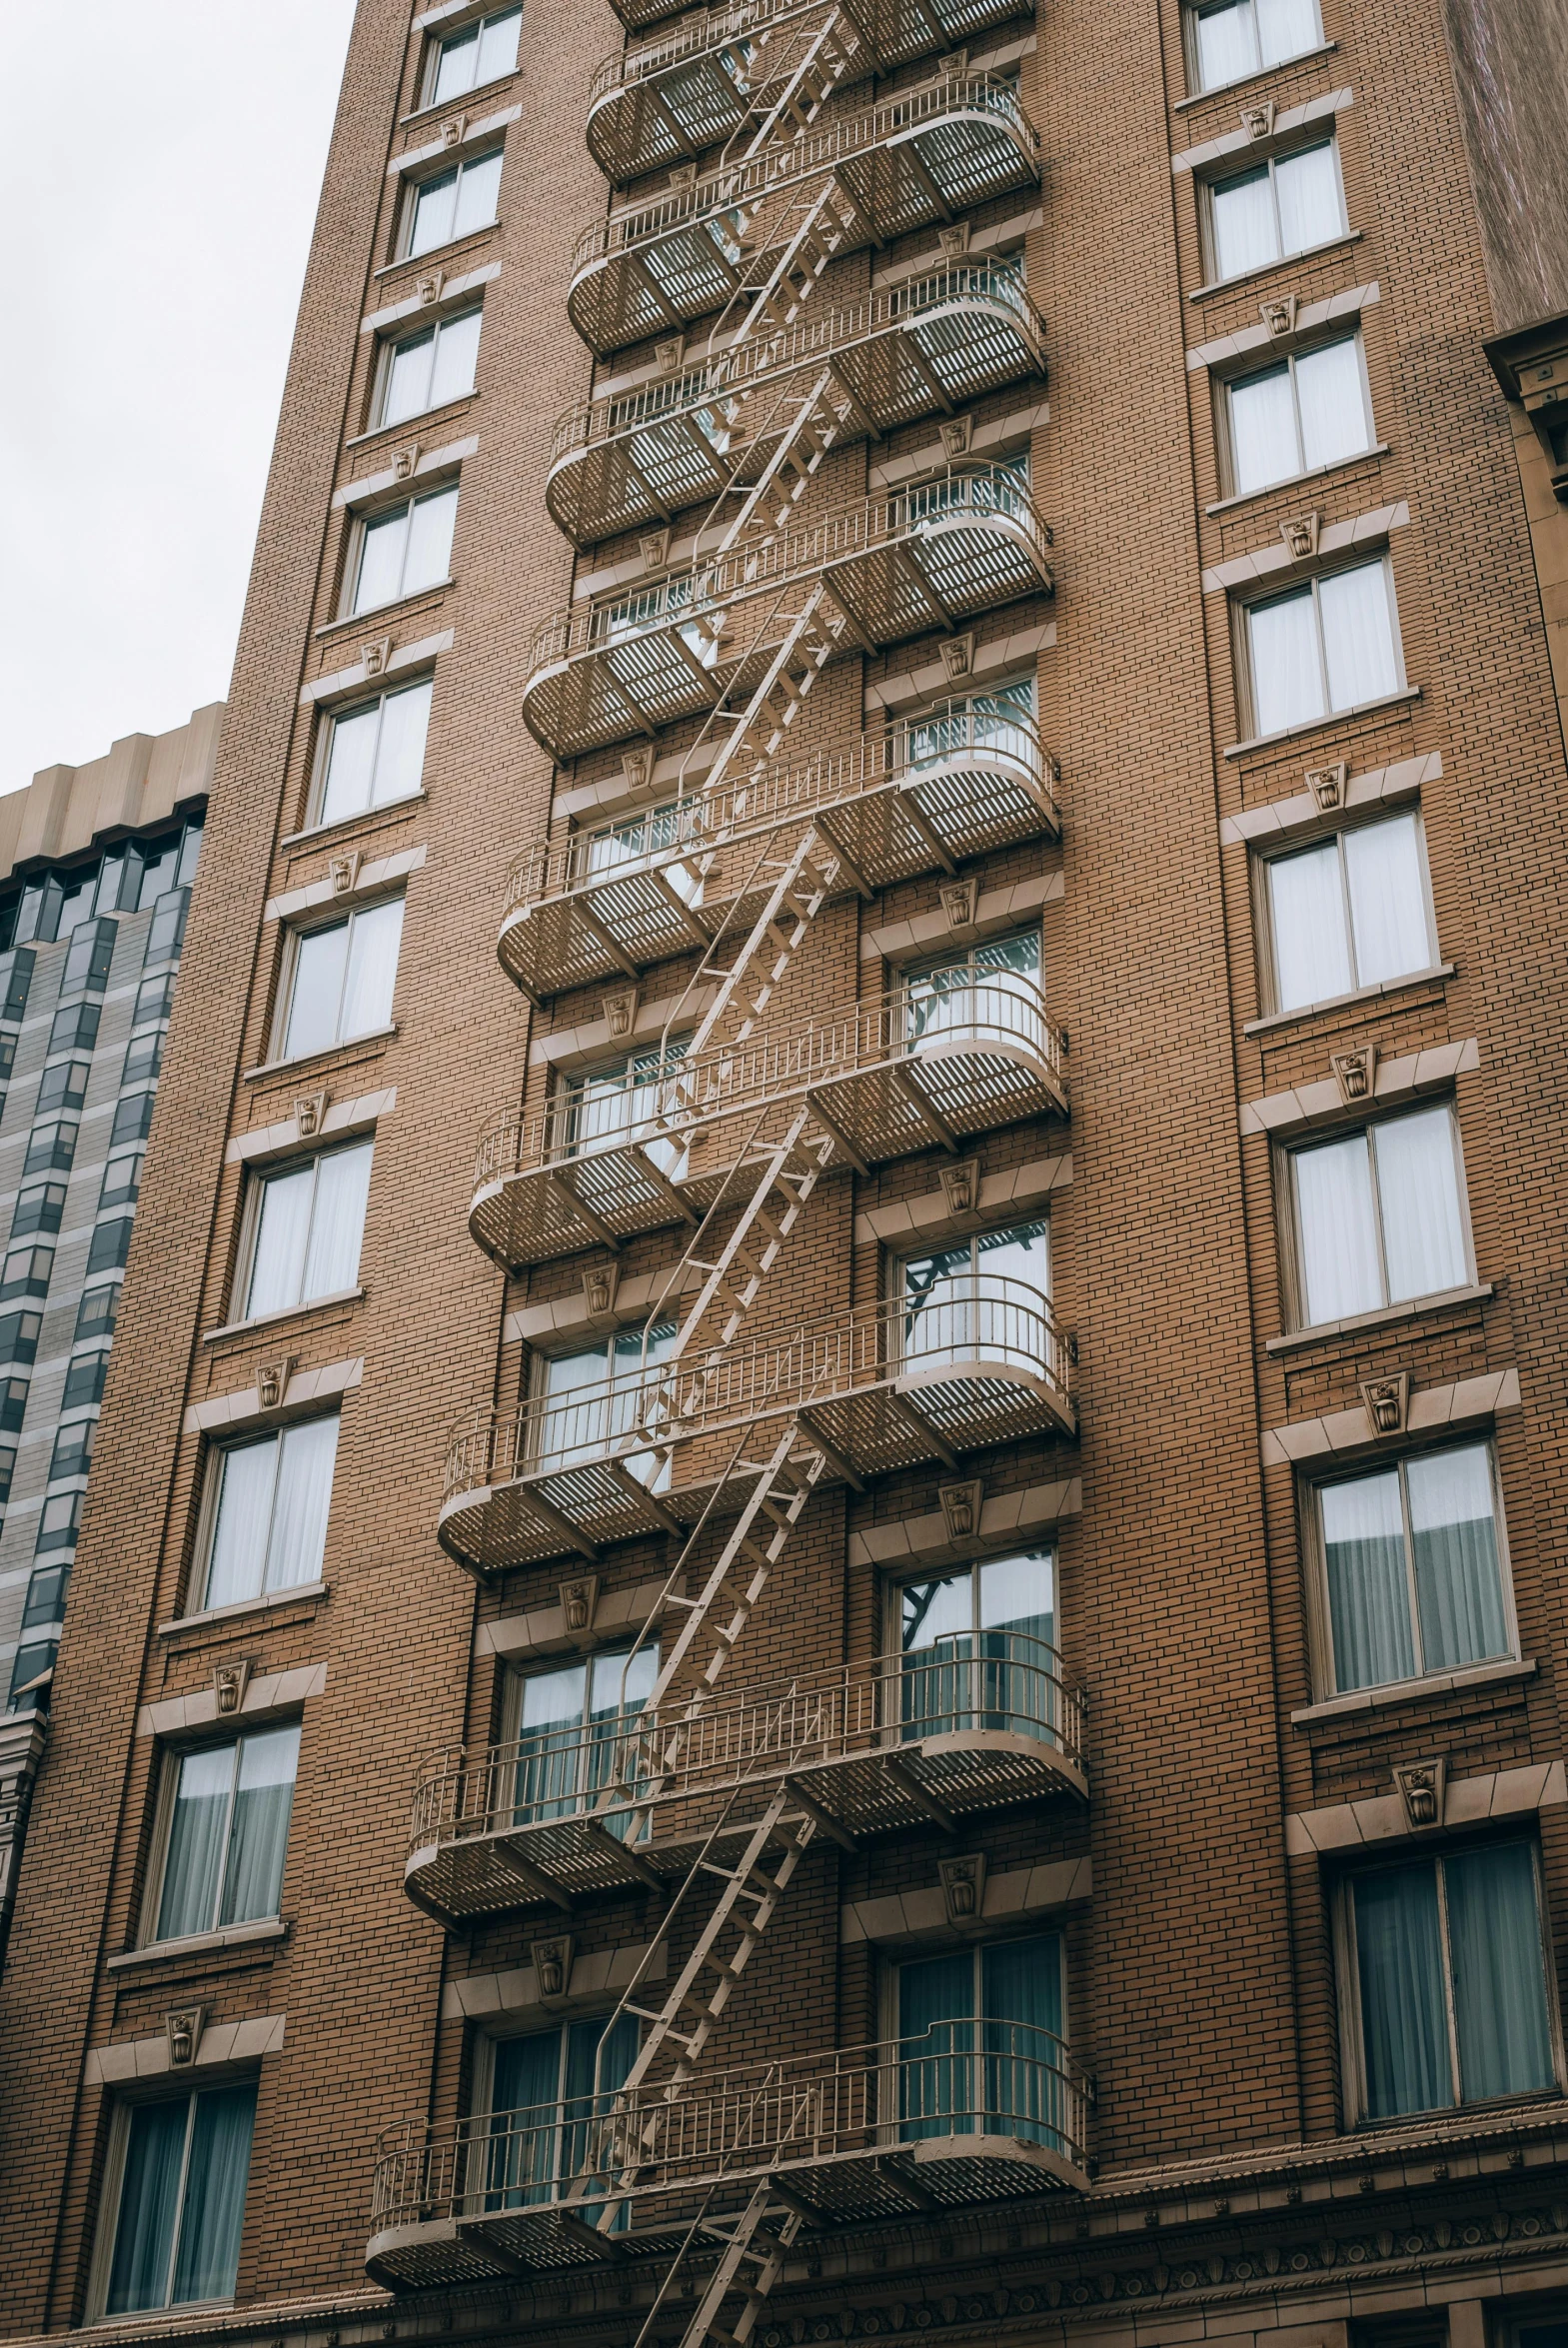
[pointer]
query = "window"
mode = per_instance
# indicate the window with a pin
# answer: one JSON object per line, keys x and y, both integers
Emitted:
{"x": 25, "y": 1273}
{"x": 1239, "y": 37}
{"x": 7, "y": 1054}
{"x": 228, "y": 1824}
{"x": 480, "y": 53}
{"x": 1451, "y": 1981}
{"x": 46, "y": 1595}
{"x": 404, "y": 549}
{"x": 993, "y": 988}
{"x": 63, "y": 1086}
{"x": 454, "y": 204}
{"x": 309, "y": 1225}
{"x": 1349, "y": 911}
{"x": 342, "y": 979}
{"x": 39, "y": 1209}
{"x": 605, "y": 1105}
{"x": 30, "y": 1666}
{"x": 374, "y": 754}
{"x": 978, "y": 1648}
{"x": 183, "y": 2170}
{"x": 143, "y": 1058}
{"x": 122, "y": 1181}
{"x": 980, "y": 2047}
{"x": 74, "y": 1029}
{"x": 269, "y": 1521}
{"x": 110, "y": 1246}
{"x": 96, "y": 1313}
{"x": 87, "y": 960}
{"x": 16, "y": 978}
{"x": 73, "y": 1451}
{"x": 154, "y": 1001}
{"x": 7, "y": 1471}
{"x": 166, "y": 935}
{"x": 982, "y": 1294}
{"x": 1411, "y": 1568}
{"x": 1331, "y": 645}
{"x": 58, "y": 1522}
{"x": 541, "y": 2101}
{"x": 19, "y": 1337}
{"x": 428, "y": 369}
{"x": 1309, "y": 412}
{"x": 589, "y": 1399}
{"x": 1284, "y": 206}
{"x": 50, "y": 1149}
{"x": 84, "y": 1381}
{"x": 568, "y": 1732}
{"x": 1380, "y": 1216}
{"x": 133, "y": 1116}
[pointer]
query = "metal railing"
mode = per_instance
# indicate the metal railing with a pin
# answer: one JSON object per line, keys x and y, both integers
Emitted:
{"x": 718, "y": 29}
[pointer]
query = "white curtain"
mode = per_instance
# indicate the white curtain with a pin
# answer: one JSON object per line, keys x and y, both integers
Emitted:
{"x": 1311, "y": 209}
{"x": 1340, "y": 1273}
{"x": 1285, "y": 28}
{"x": 214, "y": 2212}
{"x": 351, "y": 762}
{"x": 304, "y": 1496}
{"x": 381, "y": 560}
{"x": 1307, "y": 916}
{"x": 1387, "y": 901}
{"x": 434, "y": 209}
{"x": 407, "y": 378}
{"x": 457, "y": 69}
{"x": 497, "y": 47}
{"x": 1263, "y": 444}
{"x": 1494, "y": 1932}
{"x": 336, "y": 1221}
{"x": 1358, "y": 636}
{"x": 400, "y": 757}
{"x": 372, "y": 968}
{"x": 144, "y": 2237}
{"x": 259, "y": 1830}
{"x": 282, "y": 1229}
{"x": 1368, "y": 1585}
{"x": 197, "y": 1833}
{"x": 1399, "y": 1956}
{"x": 1287, "y": 677}
{"x": 1458, "y": 1585}
{"x": 1227, "y": 44}
{"x": 1333, "y": 404}
{"x": 1246, "y": 233}
{"x": 319, "y": 961}
{"x": 430, "y": 541}
{"x": 478, "y": 189}
{"x": 1418, "y": 1184}
{"x": 457, "y": 356}
{"x": 244, "y": 1511}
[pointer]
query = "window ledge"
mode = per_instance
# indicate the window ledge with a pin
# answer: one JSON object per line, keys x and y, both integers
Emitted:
{"x": 1226, "y": 285}
{"x": 471, "y": 236}
{"x": 1384, "y": 1318}
{"x": 380, "y": 611}
{"x": 390, "y": 813}
{"x": 1360, "y": 709}
{"x": 238, "y": 1328}
{"x": 434, "y": 112}
{"x": 243, "y": 1608}
{"x": 1245, "y": 81}
{"x": 1311, "y": 1011}
{"x": 462, "y": 401}
{"x": 198, "y": 1944}
{"x": 1409, "y": 1691}
{"x": 276, "y": 1067}
{"x": 1249, "y": 497}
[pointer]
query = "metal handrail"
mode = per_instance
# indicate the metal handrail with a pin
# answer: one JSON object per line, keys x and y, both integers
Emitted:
{"x": 991, "y": 1680}
{"x": 975, "y": 2080}
{"x": 629, "y": 67}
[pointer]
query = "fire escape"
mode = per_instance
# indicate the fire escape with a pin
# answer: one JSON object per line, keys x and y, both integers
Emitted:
{"x": 713, "y": 1793}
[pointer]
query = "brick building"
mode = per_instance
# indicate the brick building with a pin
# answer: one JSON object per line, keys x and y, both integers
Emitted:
{"x": 885, "y": 912}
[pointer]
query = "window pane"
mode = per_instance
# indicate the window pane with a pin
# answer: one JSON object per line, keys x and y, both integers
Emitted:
{"x": 239, "y": 1545}
{"x": 1494, "y": 1933}
{"x": 936, "y": 2025}
{"x": 498, "y": 46}
{"x": 622, "y": 1683}
{"x": 1387, "y": 901}
{"x": 1458, "y": 1584}
{"x": 338, "y": 1223}
{"x": 1340, "y": 1268}
{"x": 1358, "y": 636}
{"x": 144, "y": 2238}
{"x": 1227, "y": 46}
{"x": 1307, "y": 916}
{"x": 381, "y": 560}
{"x": 1245, "y": 234}
{"x": 1368, "y": 1592}
{"x": 373, "y": 969}
{"x": 350, "y": 755}
{"x": 457, "y": 351}
{"x": 1418, "y": 1184}
{"x": 196, "y": 1838}
{"x": 1310, "y": 210}
{"x": 318, "y": 989}
{"x": 478, "y": 190}
{"x": 1020, "y": 1991}
{"x": 455, "y": 67}
{"x": 430, "y": 541}
{"x": 434, "y": 206}
{"x": 1287, "y": 679}
{"x": 407, "y": 378}
{"x": 264, "y": 1796}
{"x": 1264, "y": 446}
{"x": 299, "y": 1521}
{"x": 1405, "y": 2032}
{"x": 932, "y": 1610}
{"x": 1285, "y": 28}
{"x": 280, "y": 1243}
{"x": 1019, "y": 1593}
{"x": 550, "y": 1747}
{"x": 400, "y": 763}
{"x": 214, "y": 2208}
{"x": 1333, "y": 404}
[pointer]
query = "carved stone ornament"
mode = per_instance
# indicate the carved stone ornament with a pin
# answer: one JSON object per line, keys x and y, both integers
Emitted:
{"x": 963, "y": 1887}
{"x": 682, "y": 175}
{"x": 1300, "y": 536}
{"x": 1279, "y": 316}
{"x": 619, "y": 1011}
{"x": 1329, "y": 785}
{"x": 960, "y": 903}
{"x": 957, "y": 654}
{"x": 309, "y": 1112}
{"x": 451, "y": 130}
{"x": 600, "y": 1284}
{"x": 230, "y": 1682}
{"x": 960, "y": 1508}
{"x": 1258, "y": 121}
{"x": 580, "y": 1603}
{"x": 668, "y": 355}
{"x": 374, "y": 658}
{"x": 955, "y": 431}
{"x": 552, "y": 1960}
{"x": 955, "y": 61}
{"x": 427, "y": 291}
{"x": 343, "y": 870}
{"x": 655, "y": 546}
{"x": 954, "y": 240}
{"x": 404, "y": 462}
{"x": 1387, "y": 1403}
{"x": 961, "y": 1182}
{"x": 637, "y": 767}
{"x": 1355, "y": 1073}
{"x": 183, "y": 2033}
{"x": 272, "y": 1381}
{"x": 1422, "y": 1787}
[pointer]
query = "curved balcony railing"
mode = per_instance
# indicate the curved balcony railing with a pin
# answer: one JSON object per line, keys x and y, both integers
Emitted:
{"x": 964, "y": 779}
{"x": 966, "y": 1726}
{"x": 916, "y": 1068}
{"x": 965, "y": 542}
{"x": 908, "y": 160}
{"x": 901, "y": 354}
{"x": 671, "y": 99}
{"x": 969, "y": 2112}
{"x": 884, "y": 1387}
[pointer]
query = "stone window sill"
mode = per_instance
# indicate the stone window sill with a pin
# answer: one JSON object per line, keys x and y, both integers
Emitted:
{"x": 1245, "y": 81}
{"x": 451, "y": 105}
{"x": 198, "y": 1944}
{"x": 369, "y": 817}
{"x": 1361, "y": 709}
{"x": 472, "y": 236}
{"x": 1250, "y": 497}
{"x": 1228, "y": 285}
{"x": 277, "y": 1068}
{"x": 239, "y": 1329}
{"x": 1386, "y": 1316}
{"x": 1311, "y": 1011}
{"x": 459, "y": 407}
{"x": 1410, "y": 1691}
{"x": 380, "y": 611}
{"x": 242, "y": 1609}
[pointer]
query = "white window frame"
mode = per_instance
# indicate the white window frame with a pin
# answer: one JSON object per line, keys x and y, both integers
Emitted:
{"x": 251, "y": 1226}
{"x": 1198, "y": 88}
{"x": 393, "y": 343}
{"x": 333, "y": 715}
{"x": 1213, "y": 182}
{"x": 293, "y": 936}
{"x": 1290, "y": 1231}
{"x": 207, "y": 1519}
{"x": 356, "y": 537}
{"x": 106, "y": 2236}
{"x": 169, "y": 1756}
{"x": 1263, "y": 907}
{"x": 1243, "y": 608}
{"x": 1224, "y": 384}
{"x": 411, "y": 200}
{"x": 440, "y": 42}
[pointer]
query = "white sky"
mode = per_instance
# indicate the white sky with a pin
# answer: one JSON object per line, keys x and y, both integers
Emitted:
{"x": 160, "y": 170}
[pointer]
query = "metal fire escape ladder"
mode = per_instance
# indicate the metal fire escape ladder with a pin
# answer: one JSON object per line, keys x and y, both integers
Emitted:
{"x": 789, "y": 97}
{"x": 752, "y": 2257}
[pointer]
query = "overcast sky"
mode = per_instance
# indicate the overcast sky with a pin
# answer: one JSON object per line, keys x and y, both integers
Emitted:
{"x": 163, "y": 164}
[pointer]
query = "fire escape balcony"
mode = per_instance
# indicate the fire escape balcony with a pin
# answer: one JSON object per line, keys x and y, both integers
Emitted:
{"x": 910, "y": 1070}
{"x": 878, "y": 1747}
{"x": 671, "y": 99}
{"x": 883, "y": 1386}
{"x": 967, "y": 2113}
{"x": 908, "y": 351}
{"x": 917, "y": 157}
{"x": 966, "y": 778}
{"x": 966, "y": 541}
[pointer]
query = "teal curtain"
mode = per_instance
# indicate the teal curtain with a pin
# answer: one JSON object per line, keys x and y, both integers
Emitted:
{"x": 1368, "y": 1591}
{"x": 1459, "y": 1588}
{"x": 216, "y": 2178}
{"x": 580, "y": 2142}
{"x": 1399, "y": 1958}
{"x": 525, "y": 2093}
{"x": 937, "y": 2046}
{"x": 1494, "y": 1934}
{"x": 259, "y": 1826}
{"x": 549, "y": 1778}
{"x": 1020, "y": 1989}
{"x": 149, "y": 2198}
